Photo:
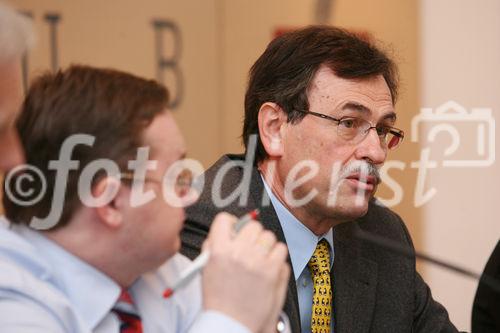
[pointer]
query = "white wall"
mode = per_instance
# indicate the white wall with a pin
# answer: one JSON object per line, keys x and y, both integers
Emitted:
{"x": 460, "y": 54}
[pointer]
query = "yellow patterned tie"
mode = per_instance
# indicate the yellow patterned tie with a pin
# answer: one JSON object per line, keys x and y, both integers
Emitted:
{"x": 319, "y": 266}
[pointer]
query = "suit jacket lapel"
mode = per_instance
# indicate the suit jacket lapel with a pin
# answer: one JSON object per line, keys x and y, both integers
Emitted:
{"x": 354, "y": 276}
{"x": 354, "y": 281}
{"x": 258, "y": 196}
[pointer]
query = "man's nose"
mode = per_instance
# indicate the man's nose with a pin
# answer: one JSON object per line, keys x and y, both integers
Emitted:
{"x": 371, "y": 148}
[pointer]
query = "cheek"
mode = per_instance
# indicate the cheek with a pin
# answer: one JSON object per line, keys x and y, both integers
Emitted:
{"x": 173, "y": 218}
{"x": 303, "y": 146}
{"x": 331, "y": 159}
{"x": 337, "y": 152}
{"x": 165, "y": 220}
{"x": 168, "y": 225}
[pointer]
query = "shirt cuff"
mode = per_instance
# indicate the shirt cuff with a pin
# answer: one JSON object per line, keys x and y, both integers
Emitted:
{"x": 213, "y": 321}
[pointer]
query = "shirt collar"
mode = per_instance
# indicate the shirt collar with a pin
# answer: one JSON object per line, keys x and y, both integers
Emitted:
{"x": 301, "y": 241}
{"x": 90, "y": 291}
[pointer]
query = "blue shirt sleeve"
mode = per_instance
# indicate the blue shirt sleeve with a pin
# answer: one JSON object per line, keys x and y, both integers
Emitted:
{"x": 215, "y": 322}
{"x": 35, "y": 318}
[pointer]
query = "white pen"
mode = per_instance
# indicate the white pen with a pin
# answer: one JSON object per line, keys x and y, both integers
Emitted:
{"x": 200, "y": 261}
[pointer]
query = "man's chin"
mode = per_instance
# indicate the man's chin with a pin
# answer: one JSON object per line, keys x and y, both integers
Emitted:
{"x": 352, "y": 210}
{"x": 177, "y": 246}
{"x": 173, "y": 248}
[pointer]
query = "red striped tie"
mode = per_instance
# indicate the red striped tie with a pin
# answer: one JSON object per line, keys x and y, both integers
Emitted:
{"x": 126, "y": 311}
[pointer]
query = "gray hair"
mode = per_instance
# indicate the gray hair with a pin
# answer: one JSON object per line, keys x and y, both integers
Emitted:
{"x": 16, "y": 34}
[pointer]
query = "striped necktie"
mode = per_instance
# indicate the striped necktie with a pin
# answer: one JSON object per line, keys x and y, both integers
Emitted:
{"x": 319, "y": 266}
{"x": 130, "y": 321}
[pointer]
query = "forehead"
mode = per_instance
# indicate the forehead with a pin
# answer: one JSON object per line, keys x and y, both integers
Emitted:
{"x": 165, "y": 139}
{"x": 330, "y": 92}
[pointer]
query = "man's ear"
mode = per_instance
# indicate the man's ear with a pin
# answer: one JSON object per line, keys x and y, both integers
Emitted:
{"x": 272, "y": 120}
{"x": 109, "y": 207}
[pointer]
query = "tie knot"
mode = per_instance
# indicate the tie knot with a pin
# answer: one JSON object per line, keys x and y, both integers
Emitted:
{"x": 130, "y": 320}
{"x": 320, "y": 261}
{"x": 125, "y": 297}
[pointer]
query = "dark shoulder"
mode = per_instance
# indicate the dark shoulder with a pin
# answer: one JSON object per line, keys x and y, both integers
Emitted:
{"x": 204, "y": 209}
{"x": 379, "y": 237}
{"x": 385, "y": 222}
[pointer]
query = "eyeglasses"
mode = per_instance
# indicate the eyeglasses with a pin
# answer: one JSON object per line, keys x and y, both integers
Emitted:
{"x": 182, "y": 183}
{"x": 356, "y": 129}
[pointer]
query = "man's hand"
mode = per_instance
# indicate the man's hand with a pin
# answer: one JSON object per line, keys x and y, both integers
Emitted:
{"x": 247, "y": 274}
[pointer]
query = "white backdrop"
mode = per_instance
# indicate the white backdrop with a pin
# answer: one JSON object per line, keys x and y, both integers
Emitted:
{"x": 460, "y": 54}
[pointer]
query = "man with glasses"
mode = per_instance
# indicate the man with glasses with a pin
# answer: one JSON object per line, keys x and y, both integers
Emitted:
{"x": 104, "y": 263}
{"x": 319, "y": 123}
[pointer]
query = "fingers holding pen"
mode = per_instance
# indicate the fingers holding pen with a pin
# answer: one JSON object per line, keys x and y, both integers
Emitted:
{"x": 221, "y": 229}
{"x": 222, "y": 234}
{"x": 252, "y": 258}
{"x": 252, "y": 241}
{"x": 249, "y": 234}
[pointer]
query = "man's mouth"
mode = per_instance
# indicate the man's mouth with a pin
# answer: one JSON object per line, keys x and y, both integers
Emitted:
{"x": 365, "y": 182}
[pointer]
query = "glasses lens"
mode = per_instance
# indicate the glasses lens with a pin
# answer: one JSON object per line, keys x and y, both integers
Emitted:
{"x": 393, "y": 140}
{"x": 355, "y": 129}
{"x": 184, "y": 182}
{"x": 352, "y": 128}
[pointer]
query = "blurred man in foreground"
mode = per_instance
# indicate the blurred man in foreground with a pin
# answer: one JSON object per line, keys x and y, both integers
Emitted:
{"x": 103, "y": 144}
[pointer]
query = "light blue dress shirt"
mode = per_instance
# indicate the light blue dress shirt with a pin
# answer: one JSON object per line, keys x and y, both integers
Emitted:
{"x": 301, "y": 243}
{"x": 44, "y": 288}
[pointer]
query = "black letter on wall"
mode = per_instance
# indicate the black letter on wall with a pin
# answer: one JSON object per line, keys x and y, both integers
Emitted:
{"x": 171, "y": 63}
{"x": 24, "y": 61}
{"x": 53, "y": 19}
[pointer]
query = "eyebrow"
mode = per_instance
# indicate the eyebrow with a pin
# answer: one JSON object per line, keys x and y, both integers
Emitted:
{"x": 363, "y": 109}
{"x": 390, "y": 116}
{"x": 356, "y": 106}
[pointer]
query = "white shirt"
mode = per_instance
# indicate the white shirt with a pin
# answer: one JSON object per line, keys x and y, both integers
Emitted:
{"x": 301, "y": 243}
{"x": 44, "y": 288}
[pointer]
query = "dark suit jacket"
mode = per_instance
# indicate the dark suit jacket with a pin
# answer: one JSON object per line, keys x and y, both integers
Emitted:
{"x": 486, "y": 310}
{"x": 374, "y": 290}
